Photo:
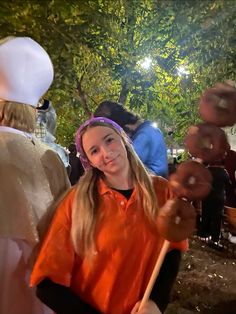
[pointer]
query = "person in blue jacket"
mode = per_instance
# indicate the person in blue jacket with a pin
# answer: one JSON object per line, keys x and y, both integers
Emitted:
{"x": 147, "y": 140}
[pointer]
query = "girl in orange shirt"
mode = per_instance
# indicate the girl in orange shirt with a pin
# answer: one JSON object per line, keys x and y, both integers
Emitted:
{"x": 103, "y": 243}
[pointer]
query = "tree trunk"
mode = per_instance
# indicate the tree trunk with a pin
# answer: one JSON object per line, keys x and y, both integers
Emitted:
{"x": 123, "y": 93}
{"x": 83, "y": 98}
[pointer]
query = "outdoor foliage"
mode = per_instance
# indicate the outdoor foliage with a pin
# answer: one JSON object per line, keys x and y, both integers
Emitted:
{"x": 98, "y": 46}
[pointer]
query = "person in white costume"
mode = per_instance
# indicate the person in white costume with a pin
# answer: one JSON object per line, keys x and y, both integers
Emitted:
{"x": 46, "y": 128}
{"x": 32, "y": 175}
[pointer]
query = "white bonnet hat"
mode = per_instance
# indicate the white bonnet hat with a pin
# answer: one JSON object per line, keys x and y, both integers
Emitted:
{"x": 26, "y": 71}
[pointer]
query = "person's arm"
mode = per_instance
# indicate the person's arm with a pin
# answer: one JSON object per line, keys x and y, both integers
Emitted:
{"x": 143, "y": 144}
{"x": 61, "y": 299}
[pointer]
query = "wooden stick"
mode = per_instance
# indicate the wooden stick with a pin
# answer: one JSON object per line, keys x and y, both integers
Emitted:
{"x": 155, "y": 273}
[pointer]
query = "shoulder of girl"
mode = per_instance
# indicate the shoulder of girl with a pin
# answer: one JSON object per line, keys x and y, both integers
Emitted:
{"x": 159, "y": 180}
{"x": 67, "y": 198}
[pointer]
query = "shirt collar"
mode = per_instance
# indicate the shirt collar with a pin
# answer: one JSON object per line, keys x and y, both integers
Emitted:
{"x": 103, "y": 188}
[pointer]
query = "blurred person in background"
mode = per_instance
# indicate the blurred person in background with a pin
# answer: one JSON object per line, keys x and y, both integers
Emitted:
{"x": 77, "y": 169}
{"x": 46, "y": 128}
{"x": 213, "y": 205}
{"x": 32, "y": 175}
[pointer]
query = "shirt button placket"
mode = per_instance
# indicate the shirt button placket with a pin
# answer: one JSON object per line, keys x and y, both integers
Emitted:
{"x": 122, "y": 204}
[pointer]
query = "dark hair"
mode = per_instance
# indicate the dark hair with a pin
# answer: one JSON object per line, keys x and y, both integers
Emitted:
{"x": 116, "y": 112}
{"x": 72, "y": 148}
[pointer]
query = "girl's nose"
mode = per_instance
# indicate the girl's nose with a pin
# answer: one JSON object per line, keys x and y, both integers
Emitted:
{"x": 106, "y": 151}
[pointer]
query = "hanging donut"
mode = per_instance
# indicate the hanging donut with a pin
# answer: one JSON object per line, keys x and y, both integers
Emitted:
{"x": 191, "y": 181}
{"x": 218, "y": 105}
{"x": 207, "y": 142}
{"x": 176, "y": 220}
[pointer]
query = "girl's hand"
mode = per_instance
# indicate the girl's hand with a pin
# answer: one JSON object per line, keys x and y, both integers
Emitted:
{"x": 149, "y": 307}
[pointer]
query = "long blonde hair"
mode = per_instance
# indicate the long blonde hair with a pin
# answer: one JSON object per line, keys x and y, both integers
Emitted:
{"x": 18, "y": 116}
{"x": 86, "y": 201}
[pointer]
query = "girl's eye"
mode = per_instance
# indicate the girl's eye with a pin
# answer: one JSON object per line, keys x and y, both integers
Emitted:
{"x": 94, "y": 151}
{"x": 109, "y": 139}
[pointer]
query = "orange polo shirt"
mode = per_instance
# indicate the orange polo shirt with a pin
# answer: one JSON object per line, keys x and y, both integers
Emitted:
{"x": 126, "y": 252}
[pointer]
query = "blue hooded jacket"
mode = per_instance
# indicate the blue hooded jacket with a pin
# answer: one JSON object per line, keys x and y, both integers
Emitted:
{"x": 149, "y": 145}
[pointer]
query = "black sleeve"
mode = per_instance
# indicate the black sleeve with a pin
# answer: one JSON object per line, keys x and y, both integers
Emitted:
{"x": 162, "y": 288}
{"x": 61, "y": 299}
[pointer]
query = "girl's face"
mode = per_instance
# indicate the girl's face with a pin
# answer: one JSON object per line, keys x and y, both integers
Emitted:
{"x": 105, "y": 150}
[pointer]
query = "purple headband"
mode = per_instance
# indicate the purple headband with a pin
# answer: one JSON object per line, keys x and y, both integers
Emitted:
{"x": 84, "y": 160}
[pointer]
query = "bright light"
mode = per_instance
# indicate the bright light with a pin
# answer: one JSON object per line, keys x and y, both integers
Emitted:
{"x": 146, "y": 63}
{"x": 182, "y": 70}
{"x": 154, "y": 124}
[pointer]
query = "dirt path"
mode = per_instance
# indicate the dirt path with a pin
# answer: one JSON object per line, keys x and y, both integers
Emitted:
{"x": 206, "y": 282}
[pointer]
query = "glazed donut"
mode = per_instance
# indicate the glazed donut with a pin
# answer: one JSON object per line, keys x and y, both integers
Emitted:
{"x": 191, "y": 181}
{"x": 218, "y": 105}
{"x": 176, "y": 220}
{"x": 207, "y": 142}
